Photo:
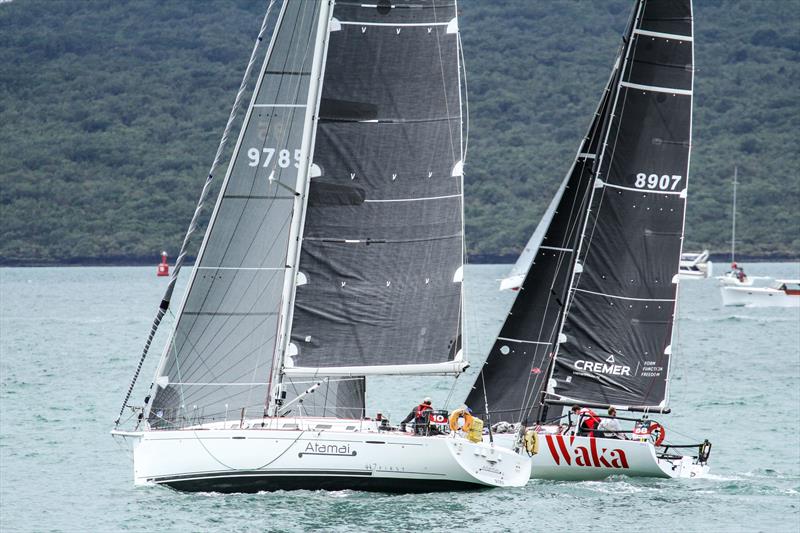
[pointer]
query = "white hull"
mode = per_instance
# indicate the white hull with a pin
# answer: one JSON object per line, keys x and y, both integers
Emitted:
{"x": 685, "y": 273}
{"x": 758, "y": 297}
{"x": 570, "y": 458}
{"x": 348, "y": 454}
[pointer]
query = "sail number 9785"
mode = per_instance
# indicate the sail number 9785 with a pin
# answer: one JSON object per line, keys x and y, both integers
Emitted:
{"x": 284, "y": 157}
{"x": 654, "y": 181}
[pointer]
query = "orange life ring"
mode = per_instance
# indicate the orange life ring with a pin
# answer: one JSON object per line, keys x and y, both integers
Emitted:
{"x": 460, "y": 413}
{"x": 662, "y": 433}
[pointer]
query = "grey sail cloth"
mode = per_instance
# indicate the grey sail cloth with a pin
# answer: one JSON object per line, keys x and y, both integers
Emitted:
{"x": 219, "y": 357}
{"x": 383, "y": 241}
{"x": 516, "y": 369}
{"x": 619, "y": 323}
{"x": 338, "y": 397}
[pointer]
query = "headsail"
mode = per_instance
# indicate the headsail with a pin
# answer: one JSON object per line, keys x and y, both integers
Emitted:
{"x": 622, "y": 303}
{"x": 379, "y": 289}
{"x": 518, "y": 364}
{"x": 221, "y": 349}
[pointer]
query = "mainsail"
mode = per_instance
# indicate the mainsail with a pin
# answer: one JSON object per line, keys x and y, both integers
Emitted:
{"x": 623, "y": 299}
{"x": 593, "y": 321}
{"x": 382, "y": 253}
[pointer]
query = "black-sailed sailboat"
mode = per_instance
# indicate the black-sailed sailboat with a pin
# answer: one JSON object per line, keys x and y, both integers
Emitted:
{"x": 592, "y": 323}
{"x": 334, "y": 251}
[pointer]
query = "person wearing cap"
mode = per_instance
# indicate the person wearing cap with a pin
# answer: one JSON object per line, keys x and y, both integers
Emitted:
{"x": 419, "y": 414}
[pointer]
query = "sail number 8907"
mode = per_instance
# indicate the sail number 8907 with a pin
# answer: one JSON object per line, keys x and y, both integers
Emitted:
{"x": 284, "y": 157}
{"x": 654, "y": 181}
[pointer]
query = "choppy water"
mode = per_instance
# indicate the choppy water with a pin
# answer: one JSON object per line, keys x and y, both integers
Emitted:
{"x": 70, "y": 338}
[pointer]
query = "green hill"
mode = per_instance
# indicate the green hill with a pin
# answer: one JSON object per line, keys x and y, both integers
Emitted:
{"x": 110, "y": 113}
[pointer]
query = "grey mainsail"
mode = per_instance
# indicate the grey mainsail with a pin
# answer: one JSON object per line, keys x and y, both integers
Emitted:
{"x": 221, "y": 350}
{"x": 382, "y": 250}
{"x": 622, "y": 302}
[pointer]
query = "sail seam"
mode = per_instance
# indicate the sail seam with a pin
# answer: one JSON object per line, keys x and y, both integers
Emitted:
{"x": 652, "y": 191}
{"x": 239, "y": 268}
{"x": 393, "y": 25}
{"x": 626, "y": 297}
{"x": 379, "y": 241}
{"x": 279, "y": 105}
{"x": 414, "y": 199}
{"x": 663, "y": 35}
{"x": 655, "y": 88}
{"x": 556, "y": 248}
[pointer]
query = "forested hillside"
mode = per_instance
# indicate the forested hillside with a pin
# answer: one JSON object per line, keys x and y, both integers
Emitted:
{"x": 110, "y": 112}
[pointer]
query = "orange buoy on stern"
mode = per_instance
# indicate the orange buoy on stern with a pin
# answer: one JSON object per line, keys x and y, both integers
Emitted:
{"x": 163, "y": 267}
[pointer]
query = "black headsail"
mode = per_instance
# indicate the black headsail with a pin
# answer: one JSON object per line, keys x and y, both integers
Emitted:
{"x": 616, "y": 342}
{"x": 379, "y": 289}
{"x": 518, "y": 364}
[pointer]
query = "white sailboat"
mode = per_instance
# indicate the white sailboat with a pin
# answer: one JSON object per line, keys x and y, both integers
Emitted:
{"x": 334, "y": 251}
{"x": 735, "y": 276}
{"x": 592, "y": 322}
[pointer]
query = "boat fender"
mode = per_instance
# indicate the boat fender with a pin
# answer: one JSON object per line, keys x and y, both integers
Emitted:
{"x": 705, "y": 451}
{"x": 460, "y": 413}
{"x": 531, "y": 442}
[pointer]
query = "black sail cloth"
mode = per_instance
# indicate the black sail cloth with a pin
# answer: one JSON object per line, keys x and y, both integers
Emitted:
{"x": 382, "y": 245}
{"x": 619, "y": 323}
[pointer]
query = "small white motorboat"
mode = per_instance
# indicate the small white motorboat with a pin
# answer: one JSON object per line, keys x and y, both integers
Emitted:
{"x": 783, "y": 293}
{"x": 695, "y": 265}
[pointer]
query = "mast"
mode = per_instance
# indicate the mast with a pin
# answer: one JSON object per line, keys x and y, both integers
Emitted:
{"x": 733, "y": 218}
{"x": 301, "y": 200}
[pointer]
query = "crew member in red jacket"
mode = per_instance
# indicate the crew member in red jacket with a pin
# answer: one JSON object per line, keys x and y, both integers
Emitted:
{"x": 587, "y": 421}
{"x": 419, "y": 414}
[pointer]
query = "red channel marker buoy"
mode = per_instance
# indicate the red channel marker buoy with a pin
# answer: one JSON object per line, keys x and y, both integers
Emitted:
{"x": 163, "y": 267}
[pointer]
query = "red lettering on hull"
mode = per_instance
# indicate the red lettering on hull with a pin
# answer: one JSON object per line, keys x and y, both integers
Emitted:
{"x": 594, "y": 456}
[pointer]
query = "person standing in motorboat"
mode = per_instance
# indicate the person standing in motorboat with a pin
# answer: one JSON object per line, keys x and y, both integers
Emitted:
{"x": 419, "y": 414}
{"x": 609, "y": 427}
{"x": 738, "y": 272}
{"x": 587, "y": 421}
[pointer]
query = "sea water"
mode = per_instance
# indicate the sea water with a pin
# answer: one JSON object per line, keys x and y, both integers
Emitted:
{"x": 70, "y": 339}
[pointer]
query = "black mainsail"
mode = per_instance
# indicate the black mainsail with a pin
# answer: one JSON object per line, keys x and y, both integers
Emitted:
{"x": 383, "y": 243}
{"x": 609, "y": 331}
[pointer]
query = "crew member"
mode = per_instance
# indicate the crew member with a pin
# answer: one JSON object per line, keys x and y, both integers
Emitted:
{"x": 419, "y": 414}
{"x": 609, "y": 427}
{"x": 587, "y": 421}
{"x": 738, "y": 271}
